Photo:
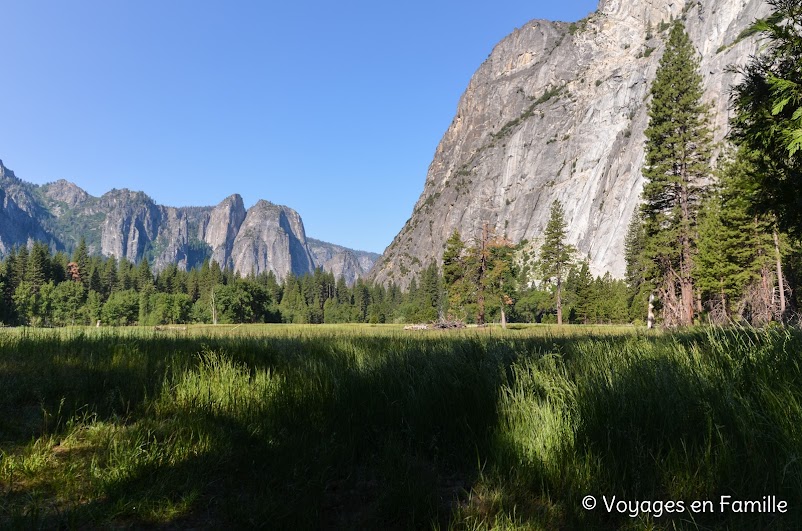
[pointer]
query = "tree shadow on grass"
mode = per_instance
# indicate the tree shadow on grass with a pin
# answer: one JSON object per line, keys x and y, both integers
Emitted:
{"x": 370, "y": 435}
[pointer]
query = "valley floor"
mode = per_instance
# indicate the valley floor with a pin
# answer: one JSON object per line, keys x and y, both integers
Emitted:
{"x": 374, "y": 427}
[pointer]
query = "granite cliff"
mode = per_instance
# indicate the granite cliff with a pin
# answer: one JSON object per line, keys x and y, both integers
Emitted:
{"x": 130, "y": 225}
{"x": 558, "y": 111}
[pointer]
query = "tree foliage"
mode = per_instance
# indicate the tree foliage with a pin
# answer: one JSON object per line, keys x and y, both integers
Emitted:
{"x": 768, "y": 114}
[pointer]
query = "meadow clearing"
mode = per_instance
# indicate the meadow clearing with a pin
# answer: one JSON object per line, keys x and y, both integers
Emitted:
{"x": 374, "y": 427}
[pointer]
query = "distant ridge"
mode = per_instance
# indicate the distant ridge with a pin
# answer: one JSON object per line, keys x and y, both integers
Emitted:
{"x": 129, "y": 224}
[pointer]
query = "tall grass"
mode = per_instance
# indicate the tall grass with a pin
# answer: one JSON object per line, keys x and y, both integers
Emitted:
{"x": 340, "y": 427}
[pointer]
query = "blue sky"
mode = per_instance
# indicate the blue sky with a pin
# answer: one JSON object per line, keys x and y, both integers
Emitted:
{"x": 332, "y": 108}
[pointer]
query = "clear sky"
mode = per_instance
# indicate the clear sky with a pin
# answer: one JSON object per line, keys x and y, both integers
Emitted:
{"x": 332, "y": 108}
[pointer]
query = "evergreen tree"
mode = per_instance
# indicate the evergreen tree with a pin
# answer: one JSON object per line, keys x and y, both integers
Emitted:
{"x": 430, "y": 294}
{"x": 455, "y": 273}
{"x": 4, "y": 303}
{"x": 19, "y": 267}
{"x": 677, "y": 169}
{"x": 36, "y": 272}
{"x": 736, "y": 248}
{"x": 93, "y": 308}
{"x": 768, "y": 114}
{"x": 556, "y": 255}
{"x": 638, "y": 287}
{"x": 501, "y": 278}
{"x": 109, "y": 280}
{"x": 81, "y": 258}
{"x": 580, "y": 286}
{"x": 27, "y": 300}
{"x": 144, "y": 275}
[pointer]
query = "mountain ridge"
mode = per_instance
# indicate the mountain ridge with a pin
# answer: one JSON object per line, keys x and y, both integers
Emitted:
{"x": 129, "y": 224}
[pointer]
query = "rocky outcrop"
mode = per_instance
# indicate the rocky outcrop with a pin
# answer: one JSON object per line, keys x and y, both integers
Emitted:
{"x": 64, "y": 193}
{"x": 557, "y": 112}
{"x": 220, "y": 228}
{"x": 21, "y": 214}
{"x": 271, "y": 238}
{"x": 130, "y": 225}
{"x": 341, "y": 261}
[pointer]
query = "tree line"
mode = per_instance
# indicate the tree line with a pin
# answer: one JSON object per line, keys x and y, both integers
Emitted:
{"x": 39, "y": 287}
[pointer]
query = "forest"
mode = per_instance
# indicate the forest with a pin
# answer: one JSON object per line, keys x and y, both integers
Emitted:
{"x": 40, "y": 288}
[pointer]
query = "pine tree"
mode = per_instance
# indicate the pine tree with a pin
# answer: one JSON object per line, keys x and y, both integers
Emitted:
{"x": 38, "y": 269}
{"x": 638, "y": 288}
{"x": 735, "y": 245}
{"x": 109, "y": 276}
{"x": 456, "y": 275}
{"x": 501, "y": 277}
{"x": 81, "y": 258}
{"x": 677, "y": 170}
{"x": 453, "y": 268}
{"x": 581, "y": 286}
{"x": 556, "y": 255}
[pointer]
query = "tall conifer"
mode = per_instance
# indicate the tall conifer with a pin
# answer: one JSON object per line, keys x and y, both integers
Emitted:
{"x": 677, "y": 170}
{"x": 556, "y": 255}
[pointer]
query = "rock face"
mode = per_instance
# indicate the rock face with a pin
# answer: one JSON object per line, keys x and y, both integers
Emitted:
{"x": 271, "y": 236}
{"x": 132, "y": 226}
{"x": 557, "y": 112}
{"x": 21, "y": 214}
{"x": 341, "y": 261}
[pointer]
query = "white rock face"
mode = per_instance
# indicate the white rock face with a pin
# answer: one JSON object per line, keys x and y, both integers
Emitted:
{"x": 222, "y": 227}
{"x": 558, "y": 112}
{"x": 272, "y": 238}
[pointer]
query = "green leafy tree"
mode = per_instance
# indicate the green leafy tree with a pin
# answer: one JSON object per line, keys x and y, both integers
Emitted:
{"x": 556, "y": 255}
{"x": 234, "y": 303}
{"x": 27, "y": 301}
{"x": 768, "y": 114}
{"x": 677, "y": 170}
{"x": 67, "y": 299}
{"x": 121, "y": 309}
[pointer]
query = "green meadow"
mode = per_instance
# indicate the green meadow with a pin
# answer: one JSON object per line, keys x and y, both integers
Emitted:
{"x": 374, "y": 427}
